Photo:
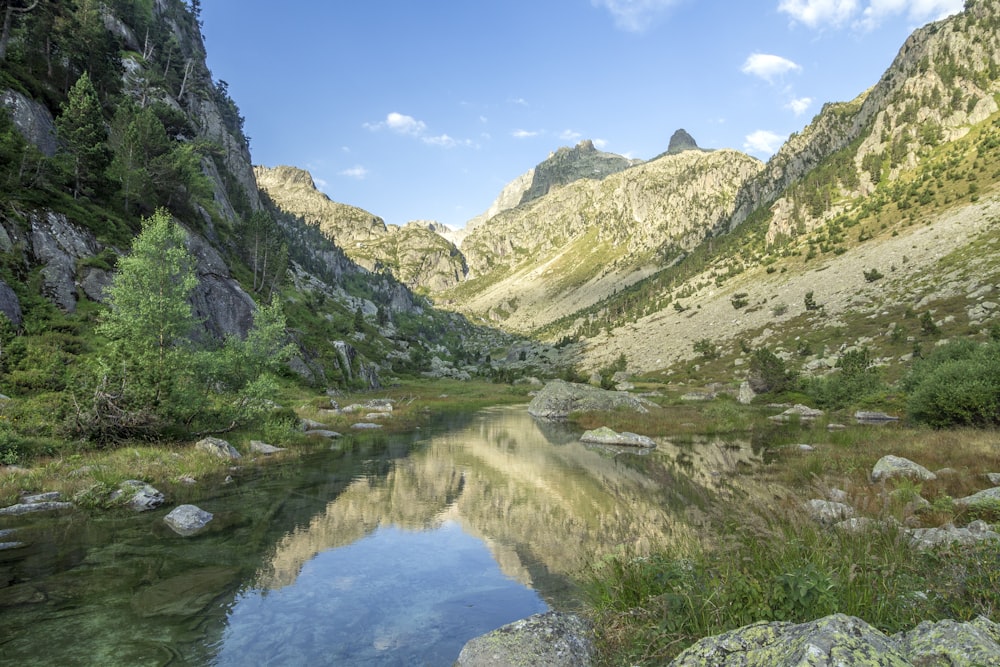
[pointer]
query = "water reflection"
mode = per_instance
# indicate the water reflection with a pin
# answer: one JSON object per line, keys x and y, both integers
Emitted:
{"x": 393, "y": 553}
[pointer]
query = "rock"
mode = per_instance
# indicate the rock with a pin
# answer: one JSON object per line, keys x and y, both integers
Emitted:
{"x": 889, "y": 467}
{"x": 802, "y": 412}
{"x": 681, "y": 141}
{"x": 624, "y": 386}
{"x": 141, "y": 496}
{"x": 835, "y": 427}
{"x": 559, "y": 398}
{"x": 994, "y": 478}
{"x": 184, "y": 595}
{"x": 606, "y": 436}
{"x": 746, "y": 393}
{"x": 187, "y": 520}
{"x": 806, "y": 448}
{"x": 698, "y": 396}
{"x": 553, "y": 639}
{"x": 46, "y": 497}
{"x": 841, "y": 640}
{"x": 594, "y": 380}
{"x": 10, "y": 306}
{"x": 927, "y": 538}
{"x": 952, "y": 643}
{"x": 372, "y": 416}
{"x": 59, "y": 245}
{"x": 985, "y": 499}
{"x": 217, "y": 447}
{"x": 828, "y": 512}
{"x": 366, "y": 426}
{"x": 323, "y": 433}
{"x": 855, "y": 525}
{"x": 258, "y": 447}
{"x": 867, "y": 417}
{"x": 310, "y": 424}
{"x": 32, "y": 120}
{"x": 846, "y": 641}
{"x": 31, "y": 508}
{"x": 4, "y": 546}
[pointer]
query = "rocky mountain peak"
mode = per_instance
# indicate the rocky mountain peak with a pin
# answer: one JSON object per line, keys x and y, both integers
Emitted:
{"x": 681, "y": 141}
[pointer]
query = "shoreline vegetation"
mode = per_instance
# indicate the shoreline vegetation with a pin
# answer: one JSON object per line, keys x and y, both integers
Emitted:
{"x": 758, "y": 555}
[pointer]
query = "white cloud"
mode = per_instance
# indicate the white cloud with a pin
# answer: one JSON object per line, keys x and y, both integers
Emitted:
{"x": 917, "y": 11}
{"x": 763, "y": 142}
{"x": 357, "y": 171}
{"x": 519, "y": 101}
{"x": 819, "y": 13}
{"x": 768, "y": 66}
{"x": 319, "y": 183}
{"x": 866, "y": 15}
{"x": 524, "y": 134}
{"x": 569, "y": 135}
{"x": 799, "y": 105}
{"x": 411, "y": 127}
{"x": 600, "y": 144}
{"x": 634, "y": 15}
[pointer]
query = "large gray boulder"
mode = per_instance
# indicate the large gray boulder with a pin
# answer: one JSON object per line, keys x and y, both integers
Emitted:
{"x": 846, "y": 641}
{"x": 139, "y": 495}
{"x": 558, "y": 399}
{"x": 984, "y": 499}
{"x": 889, "y": 467}
{"x": 553, "y": 639}
{"x": 32, "y": 120}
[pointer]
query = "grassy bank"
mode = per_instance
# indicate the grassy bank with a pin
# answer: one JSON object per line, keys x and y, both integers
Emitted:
{"x": 89, "y": 475}
{"x": 760, "y": 557}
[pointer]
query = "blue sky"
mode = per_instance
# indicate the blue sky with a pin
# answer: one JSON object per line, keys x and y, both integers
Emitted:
{"x": 425, "y": 109}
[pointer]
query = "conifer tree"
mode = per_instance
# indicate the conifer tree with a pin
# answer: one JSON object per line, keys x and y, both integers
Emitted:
{"x": 80, "y": 127}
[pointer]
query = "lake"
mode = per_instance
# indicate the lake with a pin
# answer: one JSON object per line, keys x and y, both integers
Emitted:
{"x": 381, "y": 551}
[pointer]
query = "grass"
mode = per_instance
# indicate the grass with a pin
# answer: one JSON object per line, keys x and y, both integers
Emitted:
{"x": 89, "y": 476}
{"x": 760, "y": 557}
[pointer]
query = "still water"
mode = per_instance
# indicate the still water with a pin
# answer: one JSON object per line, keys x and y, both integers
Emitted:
{"x": 384, "y": 551}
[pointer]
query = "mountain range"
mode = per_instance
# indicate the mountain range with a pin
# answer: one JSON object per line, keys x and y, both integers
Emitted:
{"x": 880, "y": 206}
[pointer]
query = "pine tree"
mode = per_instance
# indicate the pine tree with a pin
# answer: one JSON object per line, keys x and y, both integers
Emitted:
{"x": 80, "y": 127}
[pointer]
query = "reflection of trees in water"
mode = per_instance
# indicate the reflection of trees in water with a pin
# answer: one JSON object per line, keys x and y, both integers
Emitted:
{"x": 524, "y": 487}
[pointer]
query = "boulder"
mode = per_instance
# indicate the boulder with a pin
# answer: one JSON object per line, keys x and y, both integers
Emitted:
{"x": 140, "y": 496}
{"x": 187, "y": 520}
{"x": 846, "y": 641}
{"x": 984, "y": 499}
{"x": 258, "y": 447}
{"x": 606, "y": 436}
{"x": 889, "y": 467}
{"x": 927, "y": 538}
{"x": 558, "y": 399}
{"x": 802, "y": 412}
{"x": 746, "y": 393}
{"x": 217, "y": 447}
{"x": 323, "y": 433}
{"x": 949, "y": 642}
{"x": 32, "y": 508}
{"x": 841, "y": 640}
{"x": 366, "y": 426}
{"x": 868, "y": 417}
{"x": 828, "y": 512}
{"x": 553, "y": 639}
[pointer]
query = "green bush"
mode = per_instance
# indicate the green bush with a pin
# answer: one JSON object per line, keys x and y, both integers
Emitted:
{"x": 857, "y": 379}
{"x": 767, "y": 372}
{"x": 956, "y": 385}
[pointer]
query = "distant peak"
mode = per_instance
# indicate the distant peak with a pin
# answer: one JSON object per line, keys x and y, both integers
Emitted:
{"x": 681, "y": 141}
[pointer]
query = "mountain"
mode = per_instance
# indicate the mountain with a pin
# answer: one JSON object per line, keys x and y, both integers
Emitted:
{"x": 415, "y": 254}
{"x": 576, "y": 245}
{"x": 651, "y": 260}
{"x": 128, "y": 120}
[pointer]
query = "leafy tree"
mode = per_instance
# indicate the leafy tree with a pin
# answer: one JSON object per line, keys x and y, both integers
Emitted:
{"x": 137, "y": 387}
{"x": 80, "y": 127}
{"x": 956, "y": 385}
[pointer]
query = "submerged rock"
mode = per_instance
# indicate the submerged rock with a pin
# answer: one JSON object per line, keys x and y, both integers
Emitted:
{"x": 560, "y": 398}
{"x": 30, "y": 508}
{"x": 553, "y": 639}
{"x": 187, "y": 520}
{"x": 799, "y": 411}
{"x": 607, "y": 436}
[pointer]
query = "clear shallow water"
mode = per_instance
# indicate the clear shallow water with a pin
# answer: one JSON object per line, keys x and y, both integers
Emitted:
{"x": 393, "y": 551}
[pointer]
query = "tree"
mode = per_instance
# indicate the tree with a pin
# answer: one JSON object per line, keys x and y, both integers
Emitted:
{"x": 80, "y": 127}
{"x": 151, "y": 322}
{"x": 10, "y": 8}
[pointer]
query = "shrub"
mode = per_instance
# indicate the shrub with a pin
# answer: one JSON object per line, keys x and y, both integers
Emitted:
{"x": 767, "y": 372}
{"x": 706, "y": 349}
{"x": 957, "y": 385}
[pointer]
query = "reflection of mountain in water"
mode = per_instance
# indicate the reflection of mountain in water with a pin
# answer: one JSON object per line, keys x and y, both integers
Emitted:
{"x": 530, "y": 490}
